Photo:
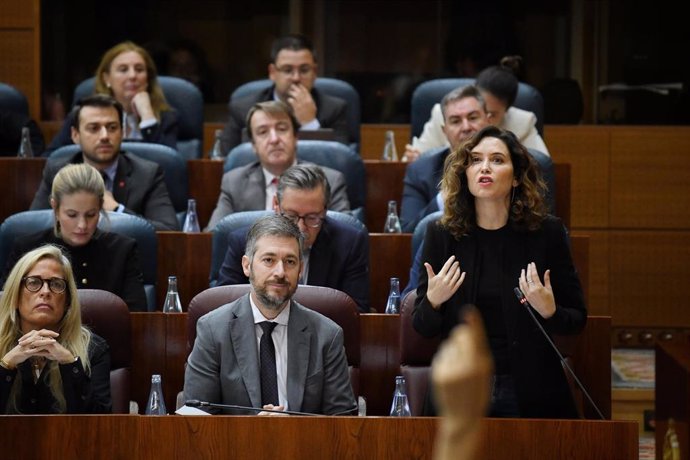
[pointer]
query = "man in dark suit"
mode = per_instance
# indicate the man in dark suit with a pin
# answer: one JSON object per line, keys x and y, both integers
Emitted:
{"x": 336, "y": 254}
{"x": 464, "y": 114}
{"x": 226, "y": 366}
{"x": 293, "y": 70}
{"x": 133, "y": 185}
{"x": 273, "y": 132}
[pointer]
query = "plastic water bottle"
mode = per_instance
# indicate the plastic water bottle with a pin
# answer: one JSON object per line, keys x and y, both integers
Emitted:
{"x": 191, "y": 222}
{"x": 156, "y": 403}
{"x": 393, "y": 303}
{"x": 25, "y": 149}
{"x": 400, "y": 406}
{"x": 392, "y": 220}
{"x": 172, "y": 298}
{"x": 389, "y": 151}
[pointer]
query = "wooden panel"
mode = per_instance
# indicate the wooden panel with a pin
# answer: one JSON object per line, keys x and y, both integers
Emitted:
{"x": 389, "y": 256}
{"x": 586, "y": 149}
{"x": 204, "y": 178}
{"x": 20, "y": 178}
{"x": 598, "y": 291}
{"x": 649, "y": 276}
{"x": 149, "y": 356}
{"x": 649, "y": 177}
{"x": 384, "y": 183}
{"x": 18, "y": 13}
{"x": 592, "y": 364}
{"x": 140, "y": 437}
{"x": 562, "y": 173}
{"x": 373, "y": 138}
{"x": 187, "y": 256}
{"x": 175, "y": 357}
{"x": 380, "y": 360}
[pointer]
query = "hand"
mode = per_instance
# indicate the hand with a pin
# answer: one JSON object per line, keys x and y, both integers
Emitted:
{"x": 109, "y": 203}
{"x": 38, "y": 343}
{"x": 441, "y": 287}
{"x": 302, "y": 103}
{"x": 461, "y": 373}
{"x": 141, "y": 104}
{"x": 272, "y": 407}
{"x": 411, "y": 154}
{"x": 539, "y": 295}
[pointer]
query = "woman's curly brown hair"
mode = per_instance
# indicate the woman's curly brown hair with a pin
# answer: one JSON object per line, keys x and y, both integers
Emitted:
{"x": 527, "y": 207}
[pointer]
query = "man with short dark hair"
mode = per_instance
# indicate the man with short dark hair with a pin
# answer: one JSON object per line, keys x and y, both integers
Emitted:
{"x": 242, "y": 349}
{"x": 464, "y": 114}
{"x": 251, "y": 187}
{"x": 133, "y": 185}
{"x": 336, "y": 254}
{"x": 293, "y": 70}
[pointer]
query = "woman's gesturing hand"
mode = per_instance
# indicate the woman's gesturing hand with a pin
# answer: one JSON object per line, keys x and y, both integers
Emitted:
{"x": 443, "y": 285}
{"x": 539, "y": 295}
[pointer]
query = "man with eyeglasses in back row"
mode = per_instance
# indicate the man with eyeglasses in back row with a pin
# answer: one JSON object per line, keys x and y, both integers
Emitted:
{"x": 293, "y": 70}
{"x": 335, "y": 254}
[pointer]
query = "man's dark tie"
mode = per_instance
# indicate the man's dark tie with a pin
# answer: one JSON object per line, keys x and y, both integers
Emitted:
{"x": 267, "y": 355}
{"x": 106, "y": 180}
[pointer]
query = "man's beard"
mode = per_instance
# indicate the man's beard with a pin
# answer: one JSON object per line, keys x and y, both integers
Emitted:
{"x": 269, "y": 301}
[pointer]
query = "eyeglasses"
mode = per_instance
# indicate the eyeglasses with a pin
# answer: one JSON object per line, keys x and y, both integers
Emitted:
{"x": 35, "y": 284}
{"x": 310, "y": 220}
{"x": 288, "y": 70}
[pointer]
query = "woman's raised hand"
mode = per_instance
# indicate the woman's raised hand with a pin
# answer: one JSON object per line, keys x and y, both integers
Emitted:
{"x": 539, "y": 295}
{"x": 443, "y": 285}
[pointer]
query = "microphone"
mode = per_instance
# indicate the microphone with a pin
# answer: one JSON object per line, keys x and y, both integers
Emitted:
{"x": 197, "y": 403}
{"x": 523, "y": 300}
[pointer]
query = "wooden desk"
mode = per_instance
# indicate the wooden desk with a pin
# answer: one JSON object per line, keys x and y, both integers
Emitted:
{"x": 672, "y": 393}
{"x": 204, "y": 177}
{"x": 142, "y": 437}
{"x": 20, "y": 178}
{"x": 159, "y": 346}
{"x": 187, "y": 256}
{"x": 384, "y": 183}
{"x": 389, "y": 256}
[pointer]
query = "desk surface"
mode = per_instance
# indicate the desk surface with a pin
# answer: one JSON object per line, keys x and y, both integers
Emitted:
{"x": 133, "y": 437}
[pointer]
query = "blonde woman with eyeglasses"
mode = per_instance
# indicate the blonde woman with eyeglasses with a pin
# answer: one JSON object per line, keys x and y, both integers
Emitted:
{"x": 49, "y": 362}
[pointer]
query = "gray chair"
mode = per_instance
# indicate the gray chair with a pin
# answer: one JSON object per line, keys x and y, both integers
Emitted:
{"x": 173, "y": 164}
{"x": 333, "y": 155}
{"x": 185, "y": 98}
{"x": 330, "y": 86}
{"x": 27, "y": 222}
{"x": 431, "y": 92}
{"x": 237, "y": 220}
{"x": 13, "y": 100}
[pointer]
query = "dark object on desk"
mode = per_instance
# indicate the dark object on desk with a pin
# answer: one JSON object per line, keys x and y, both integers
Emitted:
{"x": 321, "y": 134}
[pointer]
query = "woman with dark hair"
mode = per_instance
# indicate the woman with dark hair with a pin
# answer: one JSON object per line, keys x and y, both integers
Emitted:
{"x": 495, "y": 235}
{"x": 128, "y": 74}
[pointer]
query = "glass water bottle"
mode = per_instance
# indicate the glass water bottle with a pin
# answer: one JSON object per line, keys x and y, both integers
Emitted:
{"x": 389, "y": 151}
{"x": 25, "y": 149}
{"x": 400, "y": 406}
{"x": 172, "y": 298}
{"x": 156, "y": 403}
{"x": 393, "y": 303}
{"x": 392, "y": 219}
{"x": 191, "y": 221}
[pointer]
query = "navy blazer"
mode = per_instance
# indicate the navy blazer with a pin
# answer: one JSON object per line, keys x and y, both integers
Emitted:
{"x": 139, "y": 186}
{"x": 109, "y": 261}
{"x": 420, "y": 188}
{"x": 339, "y": 259}
{"x": 164, "y": 132}
{"x": 541, "y": 385}
{"x": 330, "y": 111}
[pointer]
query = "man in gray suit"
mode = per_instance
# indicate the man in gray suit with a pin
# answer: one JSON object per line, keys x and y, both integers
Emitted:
{"x": 133, "y": 185}
{"x": 308, "y": 368}
{"x": 273, "y": 133}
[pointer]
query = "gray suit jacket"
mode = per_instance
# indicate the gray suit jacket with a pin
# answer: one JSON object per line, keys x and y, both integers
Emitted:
{"x": 224, "y": 364}
{"x": 243, "y": 189}
{"x": 139, "y": 186}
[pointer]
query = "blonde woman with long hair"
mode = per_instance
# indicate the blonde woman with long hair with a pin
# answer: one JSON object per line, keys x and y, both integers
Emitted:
{"x": 49, "y": 362}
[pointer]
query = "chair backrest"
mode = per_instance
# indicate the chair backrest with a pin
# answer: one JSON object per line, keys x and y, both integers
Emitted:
{"x": 331, "y": 154}
{"x": 173, "y": 164}
{"x": 330, "y": 86}
{"x": 141, "y": 230}
{"x": 431, "y": 92}
{"x": 237, "y": 220}
{"x": 330, "y": 302}
{"x": 107, "y": 315}
{"x": 185, "y": 98}
{"x": 416, "y": 353}
{"x": 11, "y": 99}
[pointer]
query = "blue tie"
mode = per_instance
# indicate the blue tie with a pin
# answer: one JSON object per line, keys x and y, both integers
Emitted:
{"x": 267, "y": 356}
